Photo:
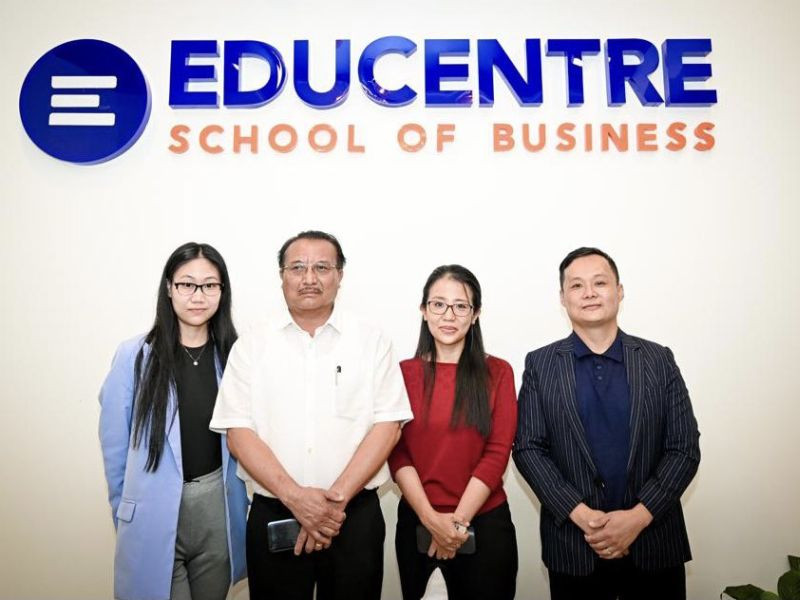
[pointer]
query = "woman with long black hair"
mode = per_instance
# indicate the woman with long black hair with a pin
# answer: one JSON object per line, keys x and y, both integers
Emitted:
{"x": 450, "y": 460}
{"x": 176, "y": 501}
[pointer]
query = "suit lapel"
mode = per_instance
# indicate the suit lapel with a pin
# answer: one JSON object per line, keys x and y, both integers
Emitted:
{"x": 174, "y": 429}
{"x": 566, "y": 383}
{"x": 634, "y": 369}
{"x": 222, "y": 438}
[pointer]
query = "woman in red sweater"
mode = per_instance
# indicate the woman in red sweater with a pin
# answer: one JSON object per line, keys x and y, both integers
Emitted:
{"x": 450, "y": 460}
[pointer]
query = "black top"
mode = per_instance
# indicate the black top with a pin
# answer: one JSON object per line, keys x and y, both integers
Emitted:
{"x": 197, "y": 392}
{"x": 601, "y": 388}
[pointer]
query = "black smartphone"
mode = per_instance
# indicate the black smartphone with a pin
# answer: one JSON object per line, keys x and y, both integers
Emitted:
{"x": 424, "y": 541}
{"x": 282, "y": 535}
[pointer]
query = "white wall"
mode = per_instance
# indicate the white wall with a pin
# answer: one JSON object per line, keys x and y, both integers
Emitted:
{"x": 706, "y": 244}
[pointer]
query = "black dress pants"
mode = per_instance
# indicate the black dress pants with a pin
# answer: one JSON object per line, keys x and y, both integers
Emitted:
{"x": 489, "y": 573}
{"x": 351, "y": 569}
{"x": 620, "y": 579}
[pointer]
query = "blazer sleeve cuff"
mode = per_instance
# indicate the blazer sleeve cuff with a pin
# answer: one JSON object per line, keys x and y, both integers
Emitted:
{"x": 654, "y": 499}
{"x": 566, "y": 503}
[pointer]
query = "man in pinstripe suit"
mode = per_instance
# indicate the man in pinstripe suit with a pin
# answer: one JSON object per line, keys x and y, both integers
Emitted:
{"x": 607, "y": 440}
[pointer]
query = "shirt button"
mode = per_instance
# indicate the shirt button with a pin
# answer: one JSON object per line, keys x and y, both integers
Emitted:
{"x": 600, "y": 378}
{"x": 309, "y": 450}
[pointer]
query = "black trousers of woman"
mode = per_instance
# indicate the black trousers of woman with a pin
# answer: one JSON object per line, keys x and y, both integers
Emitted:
{"x": 491, "y": 572}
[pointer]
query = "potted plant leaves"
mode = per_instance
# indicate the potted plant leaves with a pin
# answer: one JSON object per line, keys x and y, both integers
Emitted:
{"x": 788, "y": 586}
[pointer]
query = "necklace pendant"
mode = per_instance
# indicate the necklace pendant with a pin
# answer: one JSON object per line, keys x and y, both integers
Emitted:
{"x": 195, "y": 359}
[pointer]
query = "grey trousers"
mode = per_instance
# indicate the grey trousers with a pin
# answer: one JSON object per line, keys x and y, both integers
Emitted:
{"x": 202, "y": 569}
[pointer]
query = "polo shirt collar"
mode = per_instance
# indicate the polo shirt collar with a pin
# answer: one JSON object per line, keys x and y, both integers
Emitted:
{"x": 581, "y": 350}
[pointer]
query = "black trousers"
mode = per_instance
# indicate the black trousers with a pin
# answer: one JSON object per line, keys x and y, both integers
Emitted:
{"x": 351, "y": 569}
{"x": 620, "y": 579}
{"x": 491, "y": 572}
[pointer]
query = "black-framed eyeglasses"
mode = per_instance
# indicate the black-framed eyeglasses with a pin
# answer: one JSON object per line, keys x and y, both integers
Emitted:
{"x": 460, "y": 309}
{"x": 187, "y": 288}
{"x": 320, "y": 269}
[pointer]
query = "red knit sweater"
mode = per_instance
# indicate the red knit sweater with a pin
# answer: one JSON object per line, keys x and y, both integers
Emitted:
{"x": 447, "y": 458}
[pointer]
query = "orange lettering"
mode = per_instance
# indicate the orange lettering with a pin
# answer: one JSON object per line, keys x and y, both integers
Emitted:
{"x": 401, "y": 137}
{"x": 564, "y": 133}
{"x": 620, "y": 140}
{"x": 203, "y": 139}
{"x": 526, "y": 137}
{"x": 177, "y": 133}
{"x": 276, "y": 131}
{"x": 251, "y": 140}
{"x": 503, "y": 135}
{"x": 312, "y": 138}
{"x": 707, "y": 140}
{"x": 675, "y": 134}
{"x": 444, "y": 133}
{"x": 351, "y": 140}
{"x": 646, "y": 140}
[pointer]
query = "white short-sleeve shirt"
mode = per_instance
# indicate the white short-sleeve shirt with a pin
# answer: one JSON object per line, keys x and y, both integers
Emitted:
{"x": 312, "y": 399}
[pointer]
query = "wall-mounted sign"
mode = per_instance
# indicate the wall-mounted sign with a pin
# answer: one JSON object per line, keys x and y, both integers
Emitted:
{"x": 87, "y": 101}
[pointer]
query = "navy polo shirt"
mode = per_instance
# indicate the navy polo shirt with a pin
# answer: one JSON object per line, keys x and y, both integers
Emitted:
{"x": 604, "y": 405}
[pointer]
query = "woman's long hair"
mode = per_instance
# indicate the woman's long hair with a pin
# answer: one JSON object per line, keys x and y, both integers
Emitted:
{"x": 471, "y": 406}
{"x": 155, "y": 376}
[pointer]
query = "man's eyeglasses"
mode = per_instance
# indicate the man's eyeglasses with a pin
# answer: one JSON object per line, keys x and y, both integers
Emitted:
{"x": 298, "y": 270}
{"x": 460, "y": 309}
{"x": 187, "y": 288}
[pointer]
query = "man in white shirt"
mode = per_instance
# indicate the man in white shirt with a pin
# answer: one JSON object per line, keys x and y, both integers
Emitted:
{"x": 312, "y": 404}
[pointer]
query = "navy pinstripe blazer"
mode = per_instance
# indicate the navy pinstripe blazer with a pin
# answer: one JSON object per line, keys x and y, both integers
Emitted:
{"x": 553, "y": 456}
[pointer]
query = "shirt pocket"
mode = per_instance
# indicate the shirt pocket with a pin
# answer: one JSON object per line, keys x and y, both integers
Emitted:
{"x": 352, "y": 389}
{"x": 125, "y": 510}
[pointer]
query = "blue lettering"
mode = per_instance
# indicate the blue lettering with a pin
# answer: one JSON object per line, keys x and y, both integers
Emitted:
{"x": 436, "y": 72}
{"x": 341, "y": 87}
{"x": 628, "y": 62}
{"x": 527, "y": 92}
{"x": 573, "y": 51}
{"x": 366, "y": 71}
{"x": 181, "y": 73}
{"x": 676, "y": 72}
{"x": 234, "y": 52}
{"x": 617, "y": 72}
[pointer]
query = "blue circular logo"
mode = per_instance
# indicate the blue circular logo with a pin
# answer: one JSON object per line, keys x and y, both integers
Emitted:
{"x": 85, "y": 101}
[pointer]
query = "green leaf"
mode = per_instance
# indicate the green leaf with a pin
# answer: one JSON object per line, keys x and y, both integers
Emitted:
{"x": 744, "y": 592}
{"x": 789, "y": 585}
{"x": 769, "y": 596}
{"x": 794, "y": 563}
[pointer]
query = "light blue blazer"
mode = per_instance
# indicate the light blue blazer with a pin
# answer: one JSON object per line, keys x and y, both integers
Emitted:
{"x": 145, "y": 504}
